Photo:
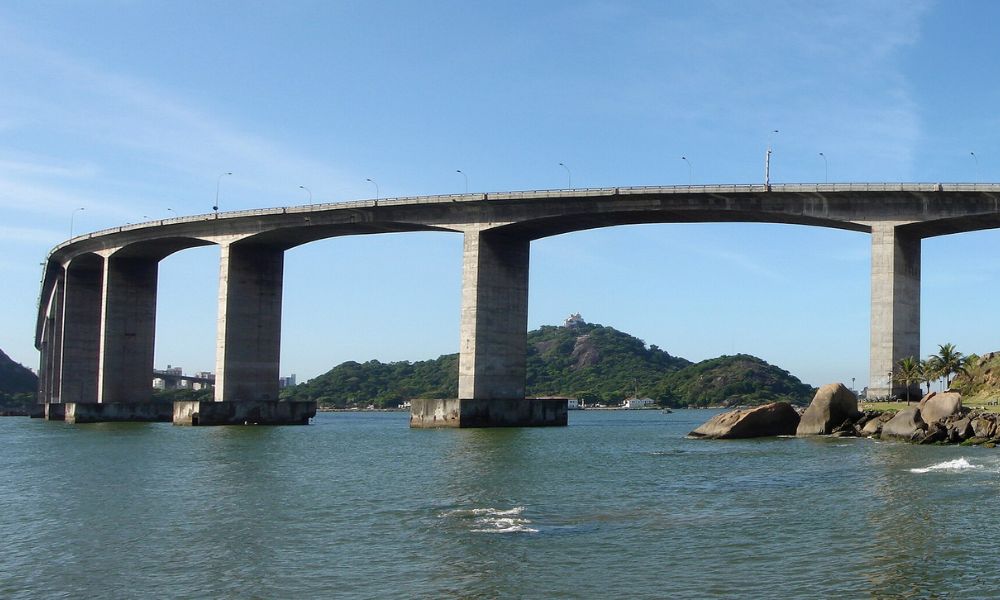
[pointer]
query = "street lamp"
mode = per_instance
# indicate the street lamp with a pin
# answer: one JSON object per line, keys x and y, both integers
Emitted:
{"x": 569, "y": 176}
{"x": 217, "y": 185}
{"x": 71, "y": 216}
{"x": 466, "y": 179}
{"x": 685, "y": 159}
{"x": 826, "y": 169}
{"x": 767, "y": 162}
{"x": 375, "y": 183}
{"x": 171, "y": 211}
{"x": 308, "y": 191}
{"x": 976, "y": 158}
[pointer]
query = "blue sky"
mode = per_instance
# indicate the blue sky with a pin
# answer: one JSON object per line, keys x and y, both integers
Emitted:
{"x": 129, "y": 109}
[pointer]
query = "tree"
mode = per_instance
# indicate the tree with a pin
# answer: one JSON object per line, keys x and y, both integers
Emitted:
{"x": 950, "y": 361}
{"x": 907, "y": 373}
{"x": 929, "y": 371}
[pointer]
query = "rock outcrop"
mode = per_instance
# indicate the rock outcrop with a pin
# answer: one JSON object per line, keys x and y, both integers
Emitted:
{"x": 939, "y": 406}
{"x": 906, "y": 425}
{"x": 777, "y": 418}
{"x": 832, "y": 405}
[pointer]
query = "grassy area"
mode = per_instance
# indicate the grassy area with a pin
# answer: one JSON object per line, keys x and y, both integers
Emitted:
{"x": 979, "y": 405}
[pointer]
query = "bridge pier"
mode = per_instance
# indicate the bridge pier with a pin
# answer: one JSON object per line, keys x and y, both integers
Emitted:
{"x": 494, "y": 332}
{"x": 248, "y": 340}
{"x": 128, "y": 329}
{"x": 81, "y": 343}
{"x": 895, "y": 304}
{"x": 50, "y": 350}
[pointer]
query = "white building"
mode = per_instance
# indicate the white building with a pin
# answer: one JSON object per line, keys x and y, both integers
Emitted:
{"x": 637, "y": 402}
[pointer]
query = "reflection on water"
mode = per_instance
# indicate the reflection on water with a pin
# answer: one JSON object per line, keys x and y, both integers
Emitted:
{"x": 618, "y": 504}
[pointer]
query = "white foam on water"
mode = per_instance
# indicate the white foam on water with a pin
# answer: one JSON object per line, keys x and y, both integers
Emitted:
{"x": 494, "y": 520}
{"x": 959, "y": 464}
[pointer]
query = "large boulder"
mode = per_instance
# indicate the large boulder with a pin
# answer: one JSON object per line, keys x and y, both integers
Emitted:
{"x": 937, "y": 407}
{"x": 873, "y": 427}
{"x": 832, "y": 405}
{"x": 959, "y": 429}
{"x": 984, "y": 427}
{"x": 906, "y": 425}
{"x": 777, "y": 418}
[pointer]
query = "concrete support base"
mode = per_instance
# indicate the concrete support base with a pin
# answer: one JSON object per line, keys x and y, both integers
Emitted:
{"x": 112, "y": 412}
{"x": 54, "y": 412}
{"x": 252, "y": 412}
{"x": 519, "y": 412}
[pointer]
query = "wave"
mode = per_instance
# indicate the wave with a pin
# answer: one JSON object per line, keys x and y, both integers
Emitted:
{"x": 959, "y": 464}
{"x": 493, "y": 520}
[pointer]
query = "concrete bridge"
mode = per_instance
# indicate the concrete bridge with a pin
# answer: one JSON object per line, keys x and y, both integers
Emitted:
{"x": 97, "y": 307}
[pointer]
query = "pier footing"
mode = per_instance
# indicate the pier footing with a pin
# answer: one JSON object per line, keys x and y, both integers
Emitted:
{"x": 520, "y": 412}
{"x": 54, "y": 411}
{"x": 256, "y": 412}
{"x": 112, "y": 412}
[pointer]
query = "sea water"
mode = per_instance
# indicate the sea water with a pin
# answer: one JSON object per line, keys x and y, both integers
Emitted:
{"x": 619, "y": 504}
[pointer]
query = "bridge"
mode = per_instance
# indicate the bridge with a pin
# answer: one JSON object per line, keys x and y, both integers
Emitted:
{"x": 97, "y": 305}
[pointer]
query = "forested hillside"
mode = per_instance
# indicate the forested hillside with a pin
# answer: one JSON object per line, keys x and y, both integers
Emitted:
{"x": 594, "y": 363}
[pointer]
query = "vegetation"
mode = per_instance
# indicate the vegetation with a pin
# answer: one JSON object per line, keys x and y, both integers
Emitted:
{"x": 979, "y": 381}
{"x": 908, "y": 372}
{"x": 947, "y": 362}
{"x": 591, "y": 362}
{"x": 18, "y": 387}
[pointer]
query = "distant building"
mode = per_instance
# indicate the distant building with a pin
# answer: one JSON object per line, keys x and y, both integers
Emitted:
{"x": 572, "y": 404}
{"x": 284, "y": 382}
{"x": 637, "y": 402}
{"x": 574, "y": 320}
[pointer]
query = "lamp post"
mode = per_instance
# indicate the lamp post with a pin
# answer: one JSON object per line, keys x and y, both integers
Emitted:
{"x": 218, "y": 184}
{"x": 375, "y": 183}
{"x": 976, "y": 158}
{"x": 826, "y": 169}
{"x": 308, "y": 191}
{"x": 172, "y": 212}
{"x": 71, "y": 217}
{"x": 466, "y": 179}
{"x": 767, "y": 162}
{"x": 686, "y": 161}
{"x": 569, "y": 176}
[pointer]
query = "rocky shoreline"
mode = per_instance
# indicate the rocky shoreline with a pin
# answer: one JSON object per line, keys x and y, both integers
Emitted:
{"x": 939, "y": 418}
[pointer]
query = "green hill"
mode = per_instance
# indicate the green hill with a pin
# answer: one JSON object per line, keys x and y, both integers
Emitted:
{"x": 980, "y": 383}
{"x": 731, "y": 381}
{"x": 18, "y": 386}
{"x": 15, "y": 378}
{"x": 587, "y": 361}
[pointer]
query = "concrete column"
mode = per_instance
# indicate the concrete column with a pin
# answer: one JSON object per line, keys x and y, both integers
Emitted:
{"x": 47, "y": 356}
{"x": 55, "y": 323}
{"x": 494, "y": 326}
{"x": 128, "y": 329}
{"x": 895, "y": 324}
{"x": 81, "y": 338}
{"x": 248, "y": 339}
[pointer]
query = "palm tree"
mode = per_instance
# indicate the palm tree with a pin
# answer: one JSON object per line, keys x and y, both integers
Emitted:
{"x": 929, "y": 371}
{"x": 907, "y": 373}
{"x": 950, "y": 361}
